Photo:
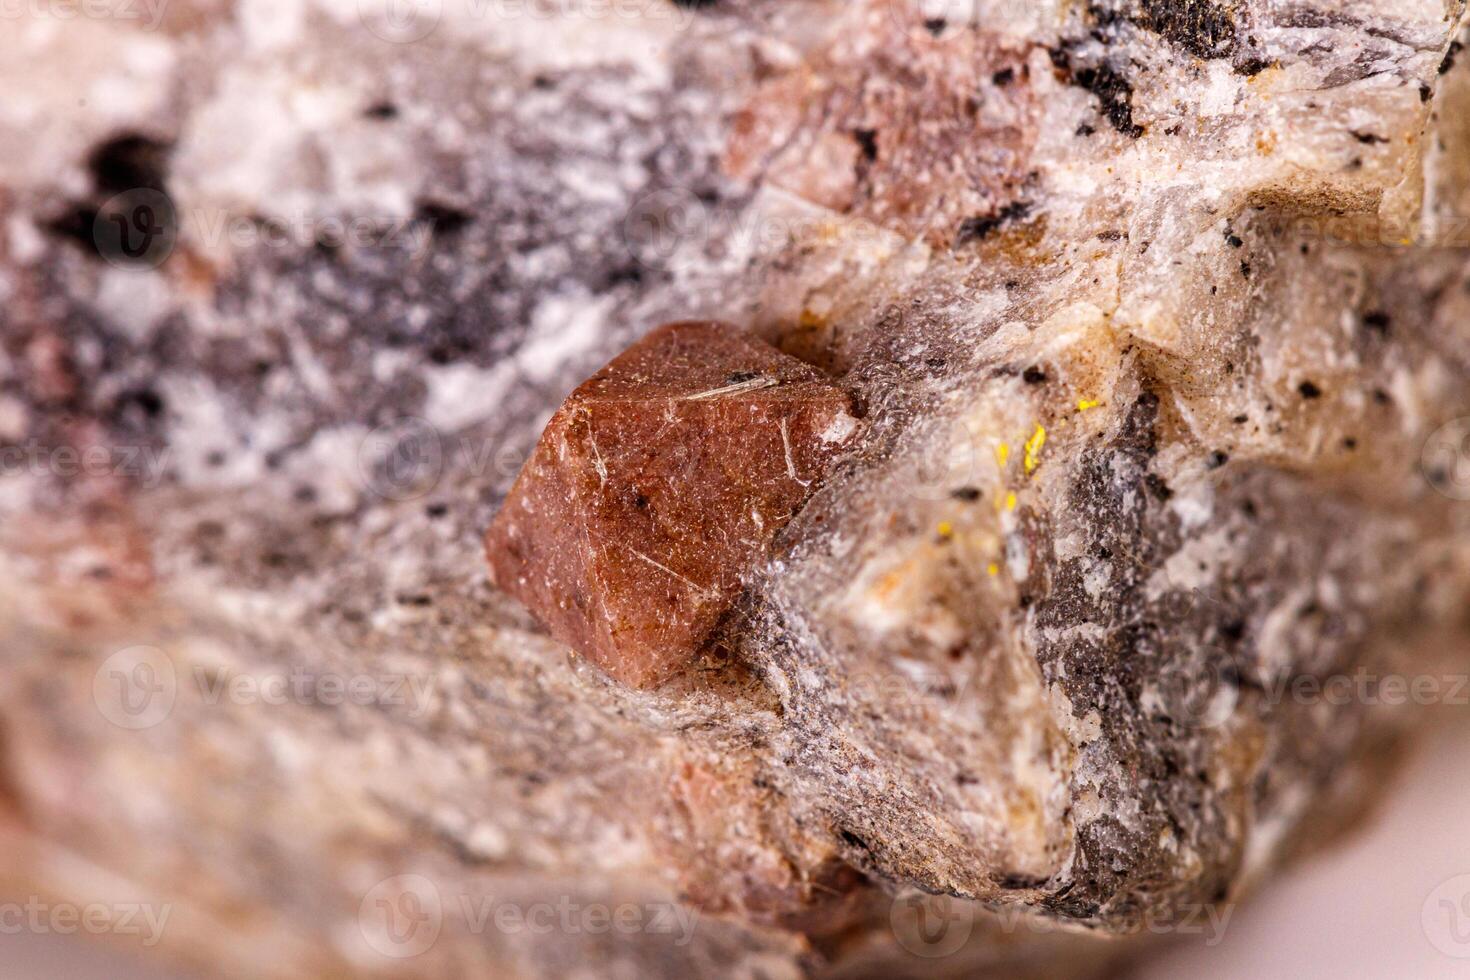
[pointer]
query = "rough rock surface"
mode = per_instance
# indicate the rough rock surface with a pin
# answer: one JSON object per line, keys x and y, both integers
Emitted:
{"x": 1156, "y": 310}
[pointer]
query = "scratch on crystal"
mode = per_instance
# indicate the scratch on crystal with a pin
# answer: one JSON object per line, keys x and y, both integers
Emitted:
{"x": 739, "y": 387}
{"x": 790, "y": 464}
{"x": 666, "y": 569}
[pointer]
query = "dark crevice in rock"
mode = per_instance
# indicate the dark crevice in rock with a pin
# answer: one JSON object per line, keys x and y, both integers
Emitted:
{"x": 1113, "y": 91}
{"x": 978, "y": 227}
{"x": 1204, "y": 28}
{"x": 1201, "y": 27}
{"x": 442, "y": 219}
{"x": 127, "y": 163}
{"x": 74, "y": 225}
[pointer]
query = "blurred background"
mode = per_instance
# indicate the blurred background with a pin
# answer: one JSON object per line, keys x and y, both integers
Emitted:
{"x": 1392, "y": 900}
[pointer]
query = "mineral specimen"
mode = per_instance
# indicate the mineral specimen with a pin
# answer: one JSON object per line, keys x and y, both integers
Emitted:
{"x": 1158, "y": 316}
{"x": 656, "y": 487}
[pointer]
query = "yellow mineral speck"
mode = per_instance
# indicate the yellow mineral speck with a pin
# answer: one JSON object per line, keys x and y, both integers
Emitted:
{"x": 1083, "y": 404}
{"x": 946, "y": 529}
{"x": 1011, "y": 500}
{"x": 1002, "y": 453}
{"x": 1033, "y": 448}
{"x": 993, "y": 568}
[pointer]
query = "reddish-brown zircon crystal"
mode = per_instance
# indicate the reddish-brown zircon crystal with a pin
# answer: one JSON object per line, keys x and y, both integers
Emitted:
{"x": 659, "y": 482}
